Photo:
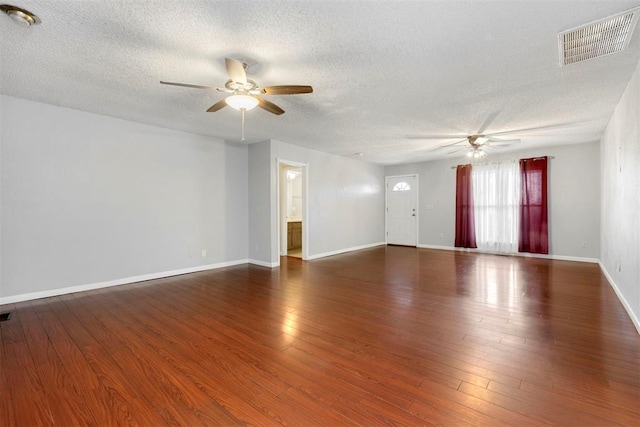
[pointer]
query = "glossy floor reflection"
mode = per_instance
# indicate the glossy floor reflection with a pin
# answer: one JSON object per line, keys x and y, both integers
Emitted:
{"x": 389, "y": 335}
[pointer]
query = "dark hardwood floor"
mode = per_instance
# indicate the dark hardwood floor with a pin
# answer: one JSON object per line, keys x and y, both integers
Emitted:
{"x": 390, "y": 335}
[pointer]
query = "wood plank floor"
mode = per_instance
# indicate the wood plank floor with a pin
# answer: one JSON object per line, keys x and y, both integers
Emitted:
{"x": 384, "y": 336}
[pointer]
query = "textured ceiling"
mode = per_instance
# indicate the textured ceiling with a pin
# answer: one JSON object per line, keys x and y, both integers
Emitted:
{"x": 383, "y": 72}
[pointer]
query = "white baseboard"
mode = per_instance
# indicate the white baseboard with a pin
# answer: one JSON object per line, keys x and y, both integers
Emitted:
{"x": 117, "y": 282}
{"x": 623, "y": 300}
{"x": 561, "y": 257}
{"x": 521, "y": 254}
{"x": 342, "y": 251}
{"x": 446, "y": 248}
{"x": 264, "y": 263}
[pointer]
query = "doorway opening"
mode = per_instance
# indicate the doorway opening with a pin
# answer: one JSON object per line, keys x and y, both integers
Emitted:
{"x": 292, "y": 209}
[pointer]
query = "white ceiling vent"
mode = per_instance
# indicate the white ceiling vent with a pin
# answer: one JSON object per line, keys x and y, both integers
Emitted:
{"x": 599, "y": 38}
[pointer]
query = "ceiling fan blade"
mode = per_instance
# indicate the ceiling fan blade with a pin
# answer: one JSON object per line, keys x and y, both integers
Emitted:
{"x": 287, "y": 90}
{"x": 501, "y": 143}
{"x": 532, "y": 129}
{"x": 440, "y": 147}
{"x": 217, "y": 106}
{"x": 270, "y": 107}
{"x": 236, "y": 71}
{"x": 192, "y": 86}
{"x": 436, "y": 137}
{"x": 490, "y": 118}
{"x": 457, "y": 151}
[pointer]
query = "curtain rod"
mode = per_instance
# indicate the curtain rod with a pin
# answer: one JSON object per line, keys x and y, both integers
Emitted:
{"x": 486, "y": 163}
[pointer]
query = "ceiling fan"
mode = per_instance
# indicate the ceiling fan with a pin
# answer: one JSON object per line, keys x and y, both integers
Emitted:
{"x": 480, "y": 143}
{"x": 244, "y": 93}
{"x": 476, "y": 145}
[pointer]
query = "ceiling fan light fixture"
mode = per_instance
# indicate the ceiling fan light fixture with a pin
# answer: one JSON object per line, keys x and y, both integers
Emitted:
{"x": 242, "y": 102}
{"x": 476, "y": 153}
{"x": 481, "y": 140}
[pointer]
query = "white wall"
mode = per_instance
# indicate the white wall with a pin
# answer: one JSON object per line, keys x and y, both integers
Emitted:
{"x": 294, "y": 194}
{"x": 88, "y": 198}
{"x": 574, "y": 198}
{"x": 260, "y": 203}
{"x": 346, "y": 201}
{"x": 620, "y": 237}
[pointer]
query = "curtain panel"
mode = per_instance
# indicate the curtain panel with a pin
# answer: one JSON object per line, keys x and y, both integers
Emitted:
{"x": 533, "y": 232}
{"x": 465, "y": 224}
{"x": 496, "y": 198}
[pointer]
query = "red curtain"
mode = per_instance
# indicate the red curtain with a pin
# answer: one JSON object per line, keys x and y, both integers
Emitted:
{"x": 465, "y": 223}
{"x": 533, "y": 233}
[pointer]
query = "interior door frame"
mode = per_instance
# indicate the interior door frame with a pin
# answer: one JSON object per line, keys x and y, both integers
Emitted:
{"x": 305, "y": 204}
{"x": 386, "y": 205}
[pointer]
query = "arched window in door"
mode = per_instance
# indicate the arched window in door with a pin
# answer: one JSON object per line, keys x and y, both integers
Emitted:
{"x": 401, "y": 186}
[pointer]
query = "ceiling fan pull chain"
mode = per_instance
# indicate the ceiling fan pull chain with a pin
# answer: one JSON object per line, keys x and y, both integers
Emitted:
{"x": 242, "y": 139}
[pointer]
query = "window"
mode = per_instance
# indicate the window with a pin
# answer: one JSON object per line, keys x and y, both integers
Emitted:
{"x": 401, "y": 186}
{"x": 496, "y": 196}
{"x": 508, "y": 208}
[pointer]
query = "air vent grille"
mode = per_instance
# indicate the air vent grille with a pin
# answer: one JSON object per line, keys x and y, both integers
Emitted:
{"x": 600, "y": 38}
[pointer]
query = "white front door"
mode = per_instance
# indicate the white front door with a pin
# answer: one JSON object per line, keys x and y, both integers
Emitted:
{"x": 402, "y": 210}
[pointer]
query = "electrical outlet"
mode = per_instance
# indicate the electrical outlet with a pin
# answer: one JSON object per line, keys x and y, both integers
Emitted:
{"x": 584, "y": 244}
{"x": 204, "y": 253}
